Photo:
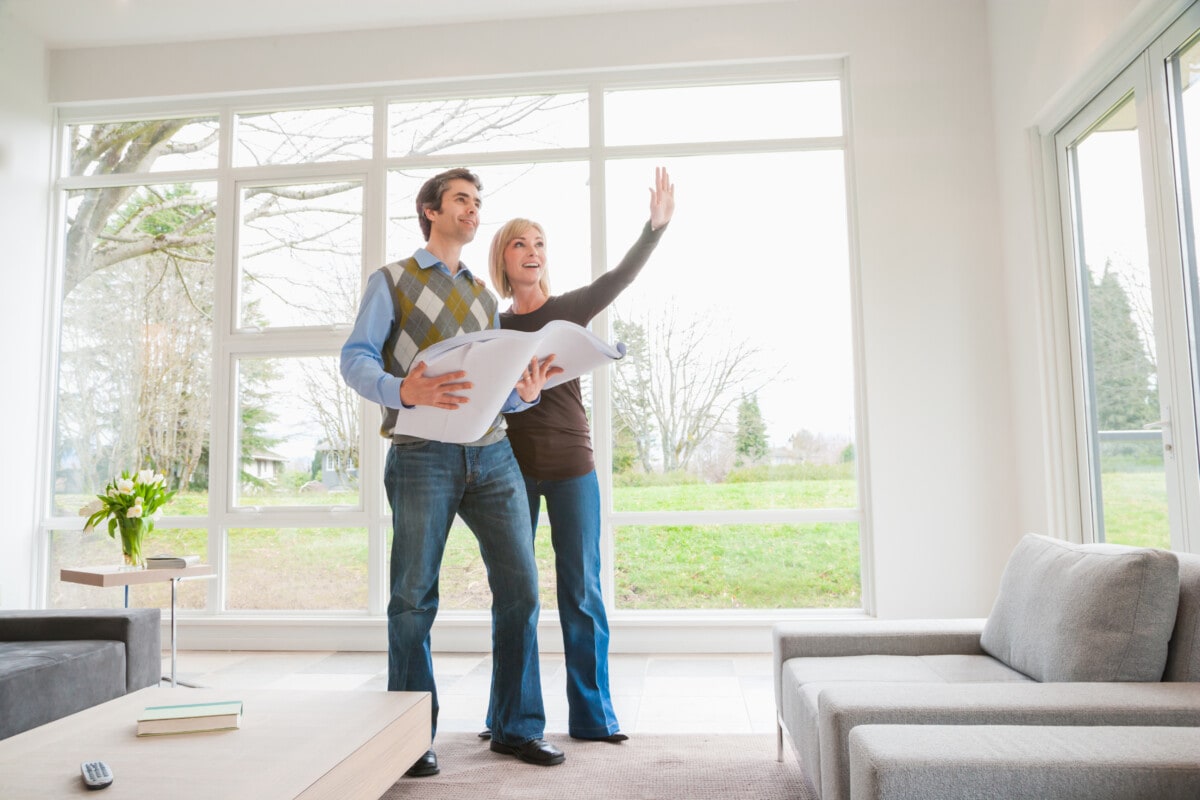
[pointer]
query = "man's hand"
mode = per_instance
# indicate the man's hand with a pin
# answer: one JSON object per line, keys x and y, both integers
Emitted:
{"x": 534, "y": 378}
{"x": 419, "y": 389}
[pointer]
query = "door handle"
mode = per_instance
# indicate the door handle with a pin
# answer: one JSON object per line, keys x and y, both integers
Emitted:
{"x": 1164, "y": 426}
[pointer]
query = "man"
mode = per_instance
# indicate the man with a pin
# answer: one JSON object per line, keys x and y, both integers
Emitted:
{"x": 407, "y": 306}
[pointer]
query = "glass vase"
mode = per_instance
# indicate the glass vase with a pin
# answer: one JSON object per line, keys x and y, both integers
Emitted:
{"x": 132, "y": 532}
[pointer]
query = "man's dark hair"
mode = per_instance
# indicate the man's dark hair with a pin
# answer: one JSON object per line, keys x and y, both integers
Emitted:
{"x": 430, "y": 196}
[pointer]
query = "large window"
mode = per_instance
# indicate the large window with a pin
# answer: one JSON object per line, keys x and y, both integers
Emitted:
{"x": 213, "y": 259}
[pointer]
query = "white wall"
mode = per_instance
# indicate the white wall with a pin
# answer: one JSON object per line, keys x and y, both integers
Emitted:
{"x": 24, "y": 172}
{"x": 1043, "y": 54}
{"x": 938, "y": 394}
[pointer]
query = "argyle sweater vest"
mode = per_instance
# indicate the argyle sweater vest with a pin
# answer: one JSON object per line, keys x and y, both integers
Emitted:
{"x": 429, "y": 306}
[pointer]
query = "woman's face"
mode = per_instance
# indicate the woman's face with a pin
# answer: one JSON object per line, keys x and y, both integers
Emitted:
{"x": 525, "y": 258}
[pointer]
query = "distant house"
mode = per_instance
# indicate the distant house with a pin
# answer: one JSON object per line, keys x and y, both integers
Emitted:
{"x": 266, "y": 466}
{"x": 335, "y": 475}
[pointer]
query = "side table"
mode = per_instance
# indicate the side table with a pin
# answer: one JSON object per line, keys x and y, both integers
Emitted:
{"x": 124, "y": 576}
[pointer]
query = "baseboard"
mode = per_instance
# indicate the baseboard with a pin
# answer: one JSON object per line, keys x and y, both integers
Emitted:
{"x": 459, "y": 632}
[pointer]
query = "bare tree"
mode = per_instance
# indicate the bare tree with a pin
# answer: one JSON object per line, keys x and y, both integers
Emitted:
{"x": 806, "y": 447}
{"x": 103, "y": 226}
{"x": 173, "y": 404}
{"x": 134, "y": 383}
{"x": 336, "y": 407}
{"x": 678, "y": 381}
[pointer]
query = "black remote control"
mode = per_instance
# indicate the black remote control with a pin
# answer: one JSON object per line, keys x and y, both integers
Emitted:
{"x": 96, "y": 774}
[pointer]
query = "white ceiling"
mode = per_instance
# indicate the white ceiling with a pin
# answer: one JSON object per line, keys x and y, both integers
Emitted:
{"x": 98, "y": 23}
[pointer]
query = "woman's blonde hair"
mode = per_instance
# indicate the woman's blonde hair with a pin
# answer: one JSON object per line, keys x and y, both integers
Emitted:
{"x": 509, "y": 231}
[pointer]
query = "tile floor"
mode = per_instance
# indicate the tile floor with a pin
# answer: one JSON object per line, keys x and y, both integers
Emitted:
{"x": 670, "y": 693}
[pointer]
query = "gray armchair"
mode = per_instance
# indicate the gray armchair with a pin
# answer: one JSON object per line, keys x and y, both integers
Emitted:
{"x": 54, "y": 663}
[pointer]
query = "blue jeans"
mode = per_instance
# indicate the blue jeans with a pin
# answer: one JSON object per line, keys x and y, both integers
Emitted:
{"x": 427, "y": 484}
{"x": 573, "y": 506}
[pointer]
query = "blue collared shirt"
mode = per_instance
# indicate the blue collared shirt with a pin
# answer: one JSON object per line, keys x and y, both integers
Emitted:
{"x": 362, "y": 354}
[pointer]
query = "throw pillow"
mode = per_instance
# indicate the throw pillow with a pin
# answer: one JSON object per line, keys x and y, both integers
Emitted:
{"x": 1093, "y": 612}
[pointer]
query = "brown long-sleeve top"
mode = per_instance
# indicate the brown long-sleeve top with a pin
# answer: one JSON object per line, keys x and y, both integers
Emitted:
{"x": 552, "y": 440}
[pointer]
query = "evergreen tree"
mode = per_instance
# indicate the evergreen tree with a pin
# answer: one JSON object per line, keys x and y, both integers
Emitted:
{"x": 633, "y": 417}
{"x": 1125, "y": 390}
{"x": 751, "y": 441}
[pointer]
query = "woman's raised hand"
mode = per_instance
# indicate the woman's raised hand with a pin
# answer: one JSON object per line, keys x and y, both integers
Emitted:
{"x": 662, "y": 199}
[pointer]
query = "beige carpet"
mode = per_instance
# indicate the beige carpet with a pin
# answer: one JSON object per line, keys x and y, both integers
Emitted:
{"x": 647, "y": 767}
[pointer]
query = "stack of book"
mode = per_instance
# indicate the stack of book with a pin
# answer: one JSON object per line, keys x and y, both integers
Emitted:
{"x": 190, "y": 718}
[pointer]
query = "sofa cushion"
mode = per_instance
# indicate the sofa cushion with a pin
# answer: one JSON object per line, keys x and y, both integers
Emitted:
{"x": 42, "y": 681}
{"x": 1080, "y": 762}
{"x": 848, "y": 705}
{"x": 805, "y": 678}
{"x": 1096, "y": 612}
{"x": 887, "y": 668}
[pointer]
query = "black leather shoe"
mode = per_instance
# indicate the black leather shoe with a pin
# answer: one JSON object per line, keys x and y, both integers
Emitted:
{"x": 425, "y": 766}
{"x": 615, "y": 738}
{"x": 535, "y": 751}
{"x": 486, "y": 733}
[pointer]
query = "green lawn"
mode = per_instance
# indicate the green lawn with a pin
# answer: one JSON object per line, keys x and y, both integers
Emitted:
{"x": 735, "y": 566}
{"x": 736, "y": 496}
{"x": 738, "y": 566}
{"x": 1135, "y": 508}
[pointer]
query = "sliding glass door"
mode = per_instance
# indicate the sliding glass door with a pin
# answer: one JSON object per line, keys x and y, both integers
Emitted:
{"x": 1125, "y": 179}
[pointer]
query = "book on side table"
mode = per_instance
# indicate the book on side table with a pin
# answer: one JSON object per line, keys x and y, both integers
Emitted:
{"x": 171, "y": 562}
{"x": 190, "y": 718}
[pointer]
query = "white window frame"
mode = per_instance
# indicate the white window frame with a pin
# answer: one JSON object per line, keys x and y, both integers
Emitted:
{"x": 230, "y": 344}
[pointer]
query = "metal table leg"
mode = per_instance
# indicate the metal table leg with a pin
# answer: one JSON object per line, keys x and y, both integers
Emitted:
{"x": 174, "y": 583}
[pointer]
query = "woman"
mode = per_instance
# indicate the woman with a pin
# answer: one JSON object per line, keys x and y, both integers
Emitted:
{"x": 552, "y": 443}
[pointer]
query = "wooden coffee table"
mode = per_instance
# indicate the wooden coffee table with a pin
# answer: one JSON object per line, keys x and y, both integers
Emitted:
{"x": 292, "y": 744}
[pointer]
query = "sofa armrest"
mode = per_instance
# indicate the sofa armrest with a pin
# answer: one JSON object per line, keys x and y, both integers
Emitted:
{"x": 138, "y": 628}
{"x": 901, "y": 637}
{"x": 843, "y": 708}
{"x": 948, "y": 762}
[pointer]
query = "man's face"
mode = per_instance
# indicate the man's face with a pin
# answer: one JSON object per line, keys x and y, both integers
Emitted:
{"x": 459, "y": 218}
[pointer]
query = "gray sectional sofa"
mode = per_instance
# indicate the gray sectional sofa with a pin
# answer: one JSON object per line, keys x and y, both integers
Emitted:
{"x": 1086, "y": 646}
{"x": 54, "y": 663}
